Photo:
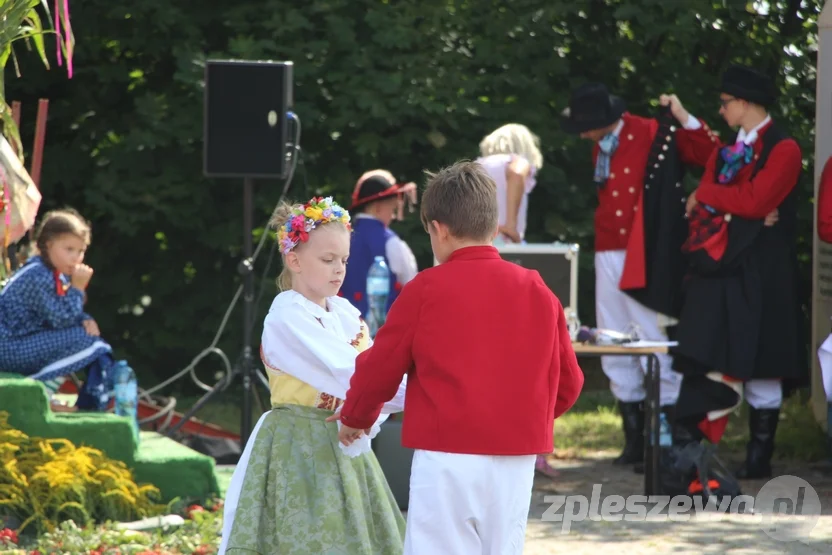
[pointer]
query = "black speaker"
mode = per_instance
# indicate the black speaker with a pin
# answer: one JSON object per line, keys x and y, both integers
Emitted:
{"x": 245, "y": 118}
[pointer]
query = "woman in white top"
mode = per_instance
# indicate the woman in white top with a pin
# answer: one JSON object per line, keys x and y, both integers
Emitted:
{"x": 511, "y": 156}
{"x": 296, "y": 488}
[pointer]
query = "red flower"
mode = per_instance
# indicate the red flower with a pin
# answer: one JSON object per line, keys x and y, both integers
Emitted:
{"x": 203, "y": 550}
{"x": 8, "y": 536}
{"x": 189, "y": 512}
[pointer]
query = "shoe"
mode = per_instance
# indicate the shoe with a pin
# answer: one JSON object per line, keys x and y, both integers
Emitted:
{"x": 542, "y": 466}
{"x": 632, "y": 419}
{"x": 762, "y": 424}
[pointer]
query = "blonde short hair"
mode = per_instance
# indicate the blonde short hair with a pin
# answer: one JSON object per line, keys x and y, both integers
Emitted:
{"x": 513, "y": 138}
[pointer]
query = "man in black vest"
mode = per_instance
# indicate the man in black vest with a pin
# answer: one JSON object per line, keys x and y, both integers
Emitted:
{"x": 740, "y": 330}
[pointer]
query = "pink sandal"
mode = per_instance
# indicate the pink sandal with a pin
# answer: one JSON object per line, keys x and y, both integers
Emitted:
{"x": 542, "y": 465}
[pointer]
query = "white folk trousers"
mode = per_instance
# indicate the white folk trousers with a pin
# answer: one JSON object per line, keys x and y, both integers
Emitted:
{"x": 468, "y": 504}
{"x": 615, "y": 310}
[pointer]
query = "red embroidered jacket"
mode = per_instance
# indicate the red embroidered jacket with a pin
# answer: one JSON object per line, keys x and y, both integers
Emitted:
{"x": 824, "y": 207}
{"x": 618, "y": 199}
{"x": 488, "y": 355}
{"x": 754, "y": 199}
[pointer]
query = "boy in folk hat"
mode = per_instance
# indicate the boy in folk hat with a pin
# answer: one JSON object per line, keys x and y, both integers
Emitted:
{"x": 377, "y": 201}
{"x": 626, "y": 296}
{"x": 740, "y": 329}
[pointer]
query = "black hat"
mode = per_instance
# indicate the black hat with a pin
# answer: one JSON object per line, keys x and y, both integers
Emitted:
{"x": 748, "y": 84}
{"x": 591, "y": 106}
{"x": 376, "y": 185}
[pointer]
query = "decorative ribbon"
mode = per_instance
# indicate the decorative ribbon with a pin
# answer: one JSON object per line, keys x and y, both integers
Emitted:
{"x": 606, "y": 147}
{"x": 735, "y": 157}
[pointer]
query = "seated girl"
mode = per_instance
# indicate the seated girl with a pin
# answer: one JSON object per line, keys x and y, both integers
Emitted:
{"x": 44, "y": 332}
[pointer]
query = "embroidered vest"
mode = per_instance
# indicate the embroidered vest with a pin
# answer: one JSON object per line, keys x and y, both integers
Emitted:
{"x": 369, "y": 239}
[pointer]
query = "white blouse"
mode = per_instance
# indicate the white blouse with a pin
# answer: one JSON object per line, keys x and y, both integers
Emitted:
{"x": 314, "y": 345}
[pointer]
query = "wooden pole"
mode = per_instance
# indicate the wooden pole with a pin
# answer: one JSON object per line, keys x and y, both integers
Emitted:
{"x": 822, "y": 252}
{"x": 40, "y": 139}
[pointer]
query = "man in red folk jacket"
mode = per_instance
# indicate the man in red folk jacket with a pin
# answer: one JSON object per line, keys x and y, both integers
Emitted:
{"x": 740, "y": 332}
{"x": 624, "y": 144}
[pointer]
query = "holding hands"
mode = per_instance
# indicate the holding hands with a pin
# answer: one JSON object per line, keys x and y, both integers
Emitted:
{"x": 346, "y": 435}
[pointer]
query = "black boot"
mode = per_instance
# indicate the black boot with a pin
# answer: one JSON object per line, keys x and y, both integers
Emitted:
{"x": 762, "y": 424}
{"x": 632, "y": 416}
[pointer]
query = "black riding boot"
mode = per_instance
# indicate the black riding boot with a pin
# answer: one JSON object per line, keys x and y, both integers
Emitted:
{"x": 632, "y": 416}
{"x": 762, "y": 424}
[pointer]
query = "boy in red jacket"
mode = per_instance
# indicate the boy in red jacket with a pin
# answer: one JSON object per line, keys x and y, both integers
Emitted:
{"x": 490, "y": 367}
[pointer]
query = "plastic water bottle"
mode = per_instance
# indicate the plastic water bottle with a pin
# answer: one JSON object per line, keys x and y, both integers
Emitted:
{"x": 665, "y": 437}
{"x": 126, "y": 394}
{"x": 378, "y": 291}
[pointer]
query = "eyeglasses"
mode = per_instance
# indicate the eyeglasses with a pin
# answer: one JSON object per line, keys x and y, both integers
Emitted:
{"x": 726, "y": 101}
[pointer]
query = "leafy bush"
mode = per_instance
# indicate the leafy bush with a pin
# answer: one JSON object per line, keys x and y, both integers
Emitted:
{"x": 46, "y": 481}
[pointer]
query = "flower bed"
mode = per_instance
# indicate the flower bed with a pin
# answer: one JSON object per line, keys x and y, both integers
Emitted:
{"x": 199, "y": 535}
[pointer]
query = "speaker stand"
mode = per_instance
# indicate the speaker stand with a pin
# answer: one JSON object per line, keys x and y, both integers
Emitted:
{"x": 245, "y": 364}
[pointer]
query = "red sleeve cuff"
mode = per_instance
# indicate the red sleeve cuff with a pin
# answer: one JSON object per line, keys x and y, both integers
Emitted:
{"x": 356, "y": 422}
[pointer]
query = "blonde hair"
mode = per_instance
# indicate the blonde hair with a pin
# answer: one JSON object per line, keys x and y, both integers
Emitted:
{"x": 513, "y": 138}
{"x": 464, "y": 198}
{"x": 280, "y": 217}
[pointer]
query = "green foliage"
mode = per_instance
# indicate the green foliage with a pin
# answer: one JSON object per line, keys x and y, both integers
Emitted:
{"x": 197, "y": 536}
{"x": 46, "y": 481}
{"x": 409, "y": 86}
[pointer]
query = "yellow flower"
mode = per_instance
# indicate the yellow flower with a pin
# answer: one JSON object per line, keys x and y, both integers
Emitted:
{"x": 314, "y": 213}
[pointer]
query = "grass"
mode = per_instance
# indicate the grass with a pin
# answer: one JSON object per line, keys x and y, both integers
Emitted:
{"x": 593, "y": 425}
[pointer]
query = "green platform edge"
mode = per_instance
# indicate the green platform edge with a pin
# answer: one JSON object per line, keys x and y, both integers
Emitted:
{"x": 178, "y": 471}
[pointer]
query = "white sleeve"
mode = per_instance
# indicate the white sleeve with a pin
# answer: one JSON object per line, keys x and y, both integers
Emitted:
{"x": 296, "y": 343}
{"x": 402, "y": 260}
{"x": 692, "y": 124}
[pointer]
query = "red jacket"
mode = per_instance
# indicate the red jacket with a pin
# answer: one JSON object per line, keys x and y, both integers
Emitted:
{"x": 824, "y": 207}
{"x": 618, "y": 198}
{"x": 754, "y": 199}
{"x": 489, "y": 360}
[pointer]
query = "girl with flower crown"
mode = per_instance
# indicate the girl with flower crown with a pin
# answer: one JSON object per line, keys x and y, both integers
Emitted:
{"x": 296, "y": 489}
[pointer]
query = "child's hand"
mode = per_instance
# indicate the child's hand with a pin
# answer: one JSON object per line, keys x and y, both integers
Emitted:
{"x": 81, "y": 276}
{"x": 348, "y": 435}
{"x": 772, "y": 218}
{"x": 91, "y": 328}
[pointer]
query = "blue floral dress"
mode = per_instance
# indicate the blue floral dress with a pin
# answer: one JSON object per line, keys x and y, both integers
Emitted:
{"x": 42, "y": 334}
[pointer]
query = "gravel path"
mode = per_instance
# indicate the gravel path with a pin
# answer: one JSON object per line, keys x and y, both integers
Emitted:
{"x": 737, "y": 534}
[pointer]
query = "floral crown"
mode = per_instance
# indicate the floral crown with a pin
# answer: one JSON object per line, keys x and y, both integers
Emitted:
{"x": 306, "y": 217}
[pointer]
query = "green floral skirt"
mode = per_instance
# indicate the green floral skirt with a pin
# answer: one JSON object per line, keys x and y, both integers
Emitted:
{"x": 302, "y": 496}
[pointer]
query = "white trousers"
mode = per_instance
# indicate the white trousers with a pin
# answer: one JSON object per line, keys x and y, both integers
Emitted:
{"x": 468, "y": 504}
{"x": 764, "y": 394}
{"x": 615, "y": 310}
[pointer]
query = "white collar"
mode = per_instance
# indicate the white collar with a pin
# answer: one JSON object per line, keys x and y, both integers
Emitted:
{"x": 751, "y": 136}
{"x": 365, "y": 216}
{"x": 618, "y": 127}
